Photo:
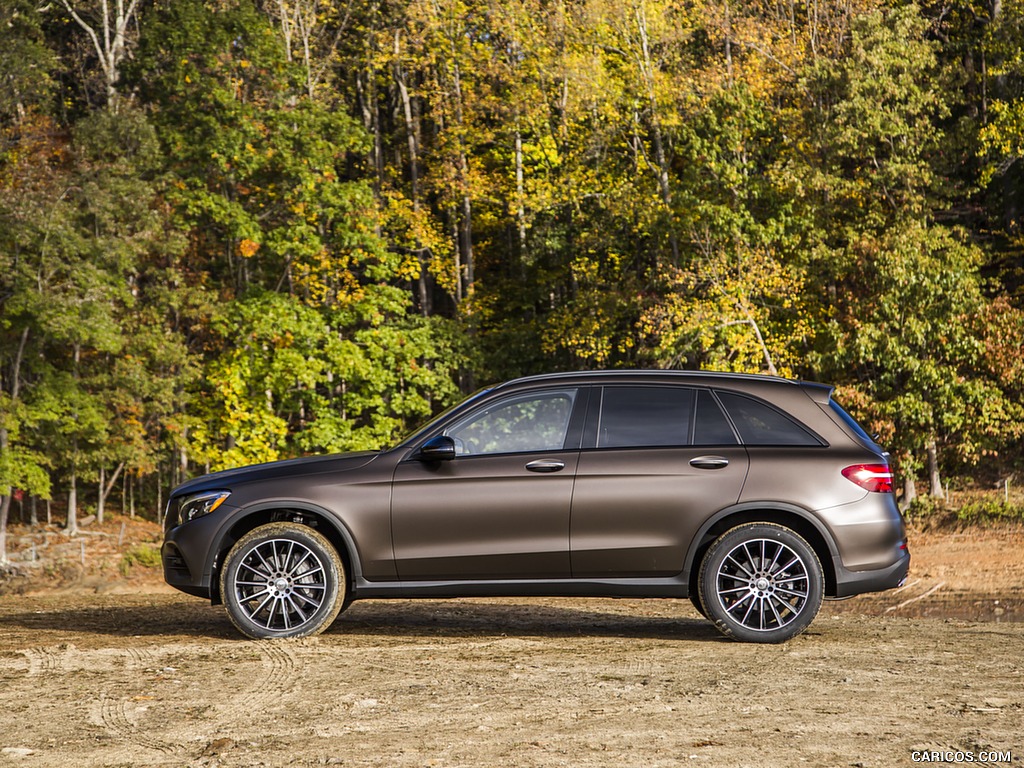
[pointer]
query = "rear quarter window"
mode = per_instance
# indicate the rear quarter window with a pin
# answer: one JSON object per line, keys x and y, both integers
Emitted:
{"x": 850, "y": 422}
{"x": 761, "y": 424}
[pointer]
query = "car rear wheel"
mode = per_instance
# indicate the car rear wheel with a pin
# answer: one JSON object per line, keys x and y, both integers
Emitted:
{"x": 761, "y": 583}
{"x": 696, "y": 603}
{"x": 282, "y": 580}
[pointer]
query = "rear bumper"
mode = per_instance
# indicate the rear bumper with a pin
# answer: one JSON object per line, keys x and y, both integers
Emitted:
{"x": 849, "y": 583}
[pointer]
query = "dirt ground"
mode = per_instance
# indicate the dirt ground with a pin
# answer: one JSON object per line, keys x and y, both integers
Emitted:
{"x": 129, "y": 673}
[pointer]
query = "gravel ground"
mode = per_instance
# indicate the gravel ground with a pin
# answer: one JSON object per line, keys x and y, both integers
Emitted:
{"x": 127, "y": 674}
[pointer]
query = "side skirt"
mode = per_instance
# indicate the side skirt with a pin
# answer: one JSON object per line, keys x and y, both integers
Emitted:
{"x": 674, "y": 586}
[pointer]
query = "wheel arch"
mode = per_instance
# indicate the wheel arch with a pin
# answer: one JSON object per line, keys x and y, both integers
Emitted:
{"x": 795, "y": 518}
{"x": 303, "y": 513}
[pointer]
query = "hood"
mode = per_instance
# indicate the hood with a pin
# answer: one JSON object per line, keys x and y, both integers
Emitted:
{"x": 307, "y": 465}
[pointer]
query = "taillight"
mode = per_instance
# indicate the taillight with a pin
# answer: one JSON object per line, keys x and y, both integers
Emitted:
{"x": 876, "y": 478}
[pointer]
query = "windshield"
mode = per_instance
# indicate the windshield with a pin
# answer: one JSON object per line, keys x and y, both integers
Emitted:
{"x": 432, "y": 424}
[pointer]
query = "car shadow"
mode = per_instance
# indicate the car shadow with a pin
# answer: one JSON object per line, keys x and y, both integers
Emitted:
{"x": 177, "y": 618}
{"x": 468, "y": 618}
{"x": 170, "y": 618}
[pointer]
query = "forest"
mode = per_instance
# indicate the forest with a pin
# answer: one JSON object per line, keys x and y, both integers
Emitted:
{"x": 234, "y": 231}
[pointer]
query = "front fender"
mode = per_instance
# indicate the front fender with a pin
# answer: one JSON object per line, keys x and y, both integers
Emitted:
{"x": 244, "y": 519}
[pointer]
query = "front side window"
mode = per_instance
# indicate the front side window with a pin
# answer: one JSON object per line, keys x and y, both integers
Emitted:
{"x": 523, "y": 424}
{"x": 635, "y": 417}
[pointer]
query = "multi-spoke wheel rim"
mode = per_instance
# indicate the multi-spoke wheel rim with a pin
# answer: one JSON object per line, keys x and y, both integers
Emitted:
{"x": 763, "y": 584}
{"x": 280, "y": 584}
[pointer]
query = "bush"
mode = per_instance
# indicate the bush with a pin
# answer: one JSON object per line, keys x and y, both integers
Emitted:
{"x": 925, "y": 509}
{"x": 936, "y": 513}
{"x": 144, "y": 555}
{"x": 990, "y": 511}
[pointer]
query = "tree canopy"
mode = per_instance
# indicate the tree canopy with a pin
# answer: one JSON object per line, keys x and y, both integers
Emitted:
{"x": 241, "y": 230}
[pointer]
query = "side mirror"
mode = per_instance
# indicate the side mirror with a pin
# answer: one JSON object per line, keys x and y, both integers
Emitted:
{"x": 440, "y": 448}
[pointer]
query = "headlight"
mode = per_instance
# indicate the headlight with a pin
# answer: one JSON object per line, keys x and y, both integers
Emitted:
{"x": 200, "y": 504}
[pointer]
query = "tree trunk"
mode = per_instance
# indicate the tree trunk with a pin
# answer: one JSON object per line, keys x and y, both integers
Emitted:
{"x": 109, "y": 40}
{"x": 934, "y": 480}
{"x": 302, "y": 18}
{"x": 520, "y": 197}
{"x": 5, "y": 437}
{"x": 453, "y": 220}
{"x": 660, "y": 158}
{"x": 104, "y": 490}
{"x": 159, "y": 496}
{"x": 71, "y": 528}
{"x": 100, "y": 498}
{"x": 909, "y": 492}
{"x": 5, "y": 502}
{"x": 183, "y": 456}
{"x": 367, "y": 96}
{"x": 5, "y": 510}
{"x": 412, "y": 137}
{"x": 464, "y": 231}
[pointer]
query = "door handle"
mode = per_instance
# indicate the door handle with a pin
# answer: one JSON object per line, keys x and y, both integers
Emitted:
{"x": 709, "y": 462}
{"x": 546, "y": 465}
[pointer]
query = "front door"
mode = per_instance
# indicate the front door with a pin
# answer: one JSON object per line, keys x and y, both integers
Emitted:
{"x": 500, "y": 509}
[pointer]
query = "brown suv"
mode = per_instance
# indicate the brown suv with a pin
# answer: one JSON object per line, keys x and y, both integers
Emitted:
{"x": 753, "y": 496}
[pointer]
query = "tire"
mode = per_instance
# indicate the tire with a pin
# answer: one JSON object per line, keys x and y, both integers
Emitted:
{"x": 695, "y": 601}
{"x": 761, "y": 583}
{"x": 282, "y": 580}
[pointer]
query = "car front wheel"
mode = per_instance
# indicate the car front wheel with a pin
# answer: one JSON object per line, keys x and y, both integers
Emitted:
{"x": 282, "y": 580}
{"x": 761, "y": 583}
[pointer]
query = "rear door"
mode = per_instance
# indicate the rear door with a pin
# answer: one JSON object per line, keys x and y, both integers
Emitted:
{"x": 657, "y": 461}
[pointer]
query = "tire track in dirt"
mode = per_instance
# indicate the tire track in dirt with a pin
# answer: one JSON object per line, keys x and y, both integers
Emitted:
{"x": 140, "y": 658}
{"x": 120, "y": 719}
{"x": 116, "y": 714}
{"x": 47, "y": 659}
{"x": 280, "y": 679}
{"x": 65, "y": 658}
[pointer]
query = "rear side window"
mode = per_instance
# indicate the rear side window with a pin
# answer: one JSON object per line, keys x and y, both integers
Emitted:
{"x": 711, "y": 427}
{"x": 633, "y": 417}
{"x": 760, "y": 424}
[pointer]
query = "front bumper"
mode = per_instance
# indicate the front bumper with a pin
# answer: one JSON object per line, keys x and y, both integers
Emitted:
{"x": 189, "y": 552}
{"x": 178, "y": 575}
